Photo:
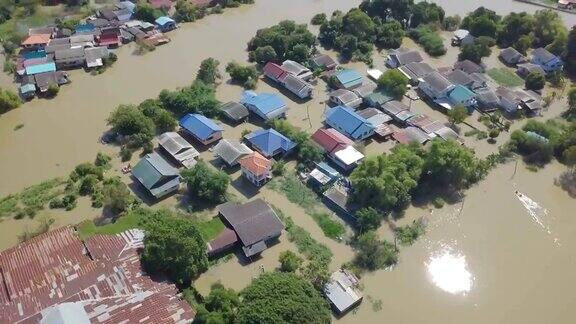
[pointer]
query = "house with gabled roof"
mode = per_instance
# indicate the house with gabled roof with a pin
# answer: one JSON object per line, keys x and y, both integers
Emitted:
{"x": 511, "y": 56}
{"x": 342, "y": 290}
{"x": 347, "y": 121}
{"x": 234, "y": 111}
{"x": 256, "y": 168}
{"x": 461, "y": 95}
{"x": 338, "y": 148}
{"x": 178, "y": 148}
{"x": 298, "y": 70}
{"x": 348, "y": 79}
{"x": 203, "y": 129}
{"x": 468, "y": 67}
{"x": 156, "y": 175}
{"x": 416, "y": 71}
{"x": 230, "y": 151}
{"x": 403, "y": 56}
{"x": 256, "y": 224}
{"x": 345, "y": 97}
{"x": 267, "y": 106}
{"x": 548, "y": 61}
{"x": 436, "y": 86}
{"x": 323, "y": 62}
{"x": 270, "y": 143}
{"x": 298, "y": 86}
{"x": 275, "y": 72}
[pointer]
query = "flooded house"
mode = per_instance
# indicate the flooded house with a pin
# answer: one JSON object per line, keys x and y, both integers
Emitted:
{"x": 349, "y": 123}
{"x": 299, "y": 87}
{"x": 44, "y": 80}
{"x": 95, "y": 56}
{"x": 343, "y": 97}
{"x": 256, "y": 168}
{"x": 270, "y": 143}
{"x": 374, "y": 116}
{"x": 342, "y": 290}
{"x": 296, "y": 69}
{"x": 376, "y": 99}
{"x": 234, "y": 111}
{"x": 156, "y": 175}
{"x": 487, "y": 99}
{"x": 339, "y": 148}
{"x": 511, "y": 56}
{"x": 36, "y": 41}
{"x": 178, "y": 149}
{"x": 70, "y": 58}
{"x": 165, "y": 24}
{"x": 274, "y": 72}
{"x": 202, "y": 129}
{"x": 367, "y": 88}
{"x": 27, "y": 91}
{"x": 436, "y": 86}
{"x": 461, "y": 96}
{"x": 40, "y": 68}
{"x": 462, "y": 37}
{"x": 322, "y": 176}
{"x": 512, "y": 100}
{"x": 231, "y": 151}
{"x": 397, "y": 110}
{"x": 468, "y": 66}
{"x": 548, "y": 61}
{"x": 402, "y": 56}
{"x": 323, "y": 62}
{"x": 255, "y": 223}
{"x": 110, "y": 37}
{"x": 267, "y": 106}
{"x": 525, "y": 69}
{"x": 416, "y": 71}
{"x": 348, "y": 79}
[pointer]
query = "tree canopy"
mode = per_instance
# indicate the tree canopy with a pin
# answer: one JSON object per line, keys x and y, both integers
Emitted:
{"x": 173, "y": 246}
{"x": 206, "y": 183}
{"x": 394, "y": 83}
{"x": 198, "y": 98}
{"x": 535, "y": 81}
{"x": 289, "y": 261}
{"x": 457, "y": 115}
{"x": 290, "y": 41}
{"x": 208, "y": 71}
{"x": 8, "y": 100}
{"x": 279, "y": 297}
{"x": 372, "y": 253}
{"x": 246, "y": 76}
{"x": 220, "y": 306}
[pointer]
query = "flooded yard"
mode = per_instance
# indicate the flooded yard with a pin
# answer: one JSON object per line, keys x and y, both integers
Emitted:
{"x": 502, "y": 255}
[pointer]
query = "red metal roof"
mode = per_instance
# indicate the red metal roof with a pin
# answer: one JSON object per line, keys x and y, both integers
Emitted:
{"x": 56, "y": 267}
{"x": 331, "y": 140}
{"x": 256, "y": 163}
{"x": 275, "y": 72}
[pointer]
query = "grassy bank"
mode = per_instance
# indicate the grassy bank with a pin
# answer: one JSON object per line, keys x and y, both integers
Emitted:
{"x": 505, "y": 77}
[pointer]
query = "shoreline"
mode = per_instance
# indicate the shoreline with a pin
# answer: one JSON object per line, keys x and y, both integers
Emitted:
{"x": 544, "y": 5}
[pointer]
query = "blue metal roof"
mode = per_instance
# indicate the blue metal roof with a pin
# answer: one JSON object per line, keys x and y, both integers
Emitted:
{"x": 349, "y": 122}
{"x": 199, "y": 126}
{"x": 461, "y": 94}
{"x": 41, "y": 68}
{"x": 161, "y": 21}
{"x": 264, "y": 102}
{"x": 85, "y": 28}
{"x": 28, "y": 87}
{"x": 269, "y": 141}
{"x": 349, "y": 78}
{"x": 328, "y": 170}
{"x": 34, "y": 54}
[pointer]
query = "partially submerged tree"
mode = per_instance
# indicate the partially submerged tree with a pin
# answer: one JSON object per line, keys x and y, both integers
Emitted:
{"x": 394, "y": 83}
{"x": 208, "y": 71}
{"x": 206, "y": 183}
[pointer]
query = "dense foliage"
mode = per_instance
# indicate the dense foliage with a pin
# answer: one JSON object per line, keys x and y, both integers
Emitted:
{"x": 430, "y": 40}
{"x": 279, "y": 297}
{"x": 198, "y": 98}
{"x": 208, "y": 71}
{"x": 535, "y": 81}
{"x": 477, "y": 50}
{"x": 173, "y": 246}
{"x": 393, "y": 83}
{"x": 205, "y": 183}
{"x": 246, "y": 76}
{"x": 372, "y": 253}
{"x": 308, "y": 152}
{"x": 8, "y": 100}
{"x": 289, "y": 261}
{"x": 288, "y": 40}
{"x": 220, "y": 306}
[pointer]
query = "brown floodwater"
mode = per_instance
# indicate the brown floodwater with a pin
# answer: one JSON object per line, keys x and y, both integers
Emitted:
{"x": 496, "y": 258}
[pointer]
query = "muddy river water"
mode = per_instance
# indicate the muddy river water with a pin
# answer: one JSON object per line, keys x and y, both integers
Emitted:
{"x": 496, "y": 257}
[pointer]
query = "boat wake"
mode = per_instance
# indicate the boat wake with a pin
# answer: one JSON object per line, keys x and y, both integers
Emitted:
{"x": 538, "y": 213}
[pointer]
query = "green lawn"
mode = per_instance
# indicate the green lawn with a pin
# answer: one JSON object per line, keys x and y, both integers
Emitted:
{"x": 88, "y": 228}
{"x": 331, "y": 228}
{"x": 505, "y": 77}
{"x": 211, "y": 228}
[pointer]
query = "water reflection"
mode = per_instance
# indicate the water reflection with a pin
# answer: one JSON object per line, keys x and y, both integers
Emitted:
{"x": 449, "y": 271}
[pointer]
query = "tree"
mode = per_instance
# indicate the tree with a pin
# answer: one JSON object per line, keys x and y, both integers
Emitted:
{"x": 457, "y": 115}
{"x": 535, "y": 81}
{"x": 570, "y": 60}
{"x": 513, "y": 27}
{"x": 221, "y": 306}
{"x": 208, "y": 72}
{"x": 451, "y": 23}
{"x": 263, "y": 55}
{"x": 317, "y": 273}
{"x": 198, "y": 98}
{"x": 116, "y": 195}
{"x": 475, "y": 51}
{"x": 206, "y": 183}
{"x": 569, "y": 157}
{"x": 247, "y": 76}
{"x": 368, "y": 219}
{"x": 358, "y": 24}
{"x": 309, "y": 153}
{"x": 385, "y": 182}
{"x": 373, "y": 254}
{"x": 145, "y": 12}
{"x": 571, "y": 101}
{"x": 481, "y": 22}
{"x": 390, "y": 34}
{"x": 426, "y": 13}
{"x": 289, "y": 40}
{"x": 451, "y": 165}
{"x": 53, "y": 90}
{"x": 399, "y": 10}
{"x": 548, "y": 27}
{"x": 278, "y": 297}
{"x": 289, "y": 261}
{"x": 523, "y": 43}
{"x": 173, "y": 246}
{"x": 394, "y": 83}
{"x": 8, "y": 100}
{"x": 129, "y": 120}
{"x": 185, "y": 11}
{"x": 319, "y": 19}
{"x": 430, "y": 40}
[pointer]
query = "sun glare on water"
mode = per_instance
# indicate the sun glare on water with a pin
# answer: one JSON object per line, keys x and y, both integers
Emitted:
{"x": 449, "y": 272}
